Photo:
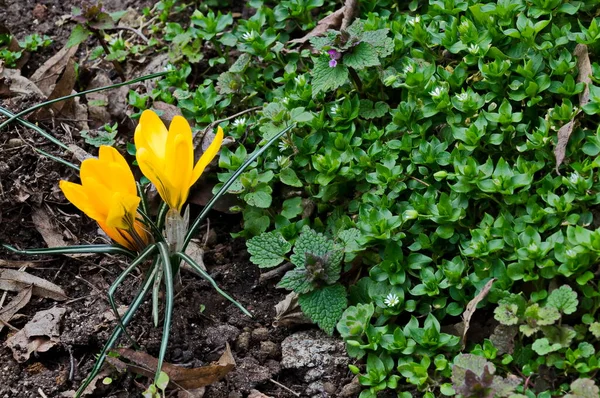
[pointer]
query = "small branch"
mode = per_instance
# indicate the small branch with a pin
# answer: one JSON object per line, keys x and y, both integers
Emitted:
{"x": 231, "y": 117}
{"x": 284, "y": 387}
{"x": 137, "y": 32}
{"x": 275, "y": 273}
{"x": 115, "y": 63}
{"x": 349, "y": 11}
{"x": 421, "y": 181}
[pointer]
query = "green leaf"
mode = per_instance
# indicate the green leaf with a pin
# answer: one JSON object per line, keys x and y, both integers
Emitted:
{"x": 326, "y": 78}
{"x": 542, "y": 346}
{"x": 362, "y": 56}
{"x": 79, "y": 34}
{"x": 325, "y": 306}
{"x": 292, "y": 208}
{"x": 260, "y": 199}
{"x": 288, "y": 176}
{"x": 370, "y": 110}
{"x": 296, "y": 280}
{"x": 583, "y": 388}
{"x": 241, "y": 63}
{"x": 595, "y": 329}
{"x": 317, "y": 244}
{"x": 507, "y": 314}
{"x": 564, "y": 299}
{"x": 268, "y": 249}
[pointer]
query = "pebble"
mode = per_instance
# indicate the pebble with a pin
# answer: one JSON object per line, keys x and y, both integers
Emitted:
{"x": 260, "y": 334}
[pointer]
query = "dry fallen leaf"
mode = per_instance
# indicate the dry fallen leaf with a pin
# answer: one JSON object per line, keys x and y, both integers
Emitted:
{"x": 44, "y": 225}
{"x": 257, "y": 394}
{"x": 288, "y": 312}
{"x": 38, "y": 335}
{"x": 17, "y": 264}
{"x": 585, "y": 71}
{"x": 18, "y": 302}
{"x": 48, "y": 74}
{"x": 195, "y": 393}
{"x": 144, "y": 364}
{"x": 15, "y": 281}
{"x": 472, "y": 306}
{"x": 63, "y": 87}
{"x": 12, "y": 84}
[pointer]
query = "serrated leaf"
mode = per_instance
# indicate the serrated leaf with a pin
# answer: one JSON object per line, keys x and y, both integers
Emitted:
{"x": 563, "y": 299}
{"x": 296, "y": 280}
{"x": 362, "y": 56}
{"x": 595, "y": 329}
{"x": 370, "y": 110}
{"x": 228, "y": 83}
{"x": 584, "y": 388}
{"x": 543, "y": 347}
{"x": 507, "y": 314}
{"x": 79, "y": 34}
{"x": 326, "y": 78}
{"x": 268, "y": 249}
{"x": 316, "y": 244}
{"x": 325, "y": 306}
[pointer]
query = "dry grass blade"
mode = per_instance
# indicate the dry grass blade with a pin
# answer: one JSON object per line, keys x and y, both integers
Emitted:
{"x": 472, "y": 306}
{"x": 564, "y": 133}
{"x": 15, "y": 281}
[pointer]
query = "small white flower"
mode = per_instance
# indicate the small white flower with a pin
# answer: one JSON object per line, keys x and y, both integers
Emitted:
{"x": 283, "y": 145}
{"x": 285, "y": 100}
{"x": 334, "y": 109}
{"x": 474, "y": 49}
{"x": 571, "y": 253}
{"x": 409, "y": 69}
{"x": 300, "y": 80}
{"x": 283, "y": 161}
{"x": 437, "y": 92}
{"x": 240, "y": 121}
{"x": 532, "y": 247}
{"x": 462, "y": 97}
{"x": 391, "y": 300}
{"x": 574, "y": 178}
{"x": 250, "y": 36}
{"x": 415, "y": 20}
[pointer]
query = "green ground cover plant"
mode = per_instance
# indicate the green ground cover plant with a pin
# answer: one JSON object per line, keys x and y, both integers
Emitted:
{"x": 444, "y": 151}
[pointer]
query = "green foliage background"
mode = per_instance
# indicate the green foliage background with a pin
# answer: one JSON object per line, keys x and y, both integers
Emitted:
{"x": 427, "y": 154}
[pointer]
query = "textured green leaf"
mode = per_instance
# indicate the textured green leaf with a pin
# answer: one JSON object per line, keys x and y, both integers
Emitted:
{"x": 326, "y": 78}
{"x": 370, "y": 110}
{"x": 564, "y": 299}
{"x": 316, "y": 244}
{"x": 595, "y": 329}
{"x": 241, "y": 63}
{"x": 296, "y": 280}
{"x": 362, "y": 56}
{"x": 324, "y": 306}
{"x": 268, "y": 249}
{"x": 507, "y": 314}
{"x": 584, "y": 388}
{"x": 79, "y": 34}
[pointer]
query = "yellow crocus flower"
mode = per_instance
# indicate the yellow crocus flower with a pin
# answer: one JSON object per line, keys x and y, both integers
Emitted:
{"x": 166, "y": 157}
{"x": 107, "y": 194}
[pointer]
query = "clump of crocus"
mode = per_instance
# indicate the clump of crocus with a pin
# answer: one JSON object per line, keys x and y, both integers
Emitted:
{"x": 335, "y": 55}
{"x": 166, "y": 157}
{"x": 108, "y": 195}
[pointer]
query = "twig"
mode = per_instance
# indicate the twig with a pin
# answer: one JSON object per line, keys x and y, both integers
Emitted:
{"x": 137, "y": 32}
{"x": 349, "y": 11}
{"x": 284, "y": 387}
{"x": 421, "y": 181}
{"x": 231, "y": 117}
{"x": 41, "y": 392}
{"x": 274, "y": 273}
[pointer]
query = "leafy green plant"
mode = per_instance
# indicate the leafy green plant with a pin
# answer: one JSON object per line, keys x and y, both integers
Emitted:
{"x": 317, "y": 261}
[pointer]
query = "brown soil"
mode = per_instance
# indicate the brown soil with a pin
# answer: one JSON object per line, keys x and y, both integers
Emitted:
{"x": 203, "y": 320}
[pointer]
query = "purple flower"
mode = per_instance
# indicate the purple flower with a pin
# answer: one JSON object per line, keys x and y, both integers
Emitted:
{"x": 334, "y": 55}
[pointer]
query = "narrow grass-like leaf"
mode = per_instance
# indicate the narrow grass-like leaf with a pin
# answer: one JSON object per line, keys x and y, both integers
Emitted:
{"x": 57, "y": 159}
{"x": 79, "y": 249}
{"x": 127, "y": 317}
{"x": 67, "y": 97}
{"x": 32, "y": 126}
{"x": 156, "y": 294}
{"x": 169, "y": 298}
{"x": 160, "y": 218}
{"x": 210, "y": 280}
{"x": 143, "y": 202}
{"x": 112, "y": 289}
{"x": 227, "y": 184}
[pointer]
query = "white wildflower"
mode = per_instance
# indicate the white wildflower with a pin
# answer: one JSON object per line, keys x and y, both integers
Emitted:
{"x": 462, "y": 97}
{"x": 391, "y": 300}
{"x": 334, "y": 109}
{"x": 300, "y": 80}
{"x": 283, "y": 161}
{"x": 437, "y": 92}
{"x": 409, "y": 69}
{"x": 250, "y": 36}
{"x": 574, "y": 178}
{"x": 414, "y": 20}
{"x": 474, "y": 49}
{"x": 239, "y": 122}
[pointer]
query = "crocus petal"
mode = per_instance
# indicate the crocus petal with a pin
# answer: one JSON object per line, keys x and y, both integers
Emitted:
{"x": 119, "y": 169}
{"x": 119, "y": 236}
{"x": 77, "y": 195}
{"x": 122, "y": 211}
{"x": 208, "y": 156}
{"x": 151, "y": 133}
{"x": 182, "y": 174}
{"x": 148, "y": 164}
